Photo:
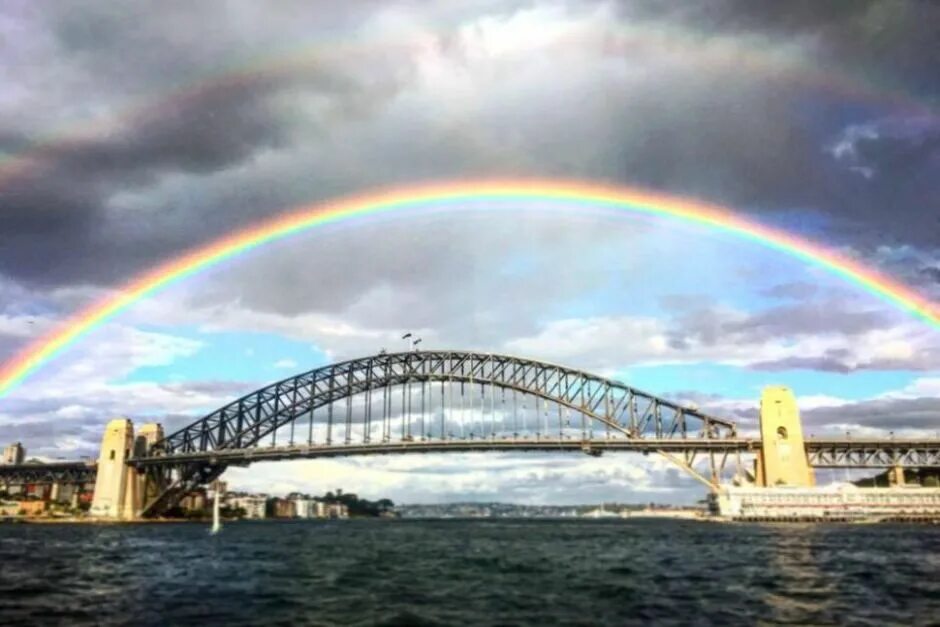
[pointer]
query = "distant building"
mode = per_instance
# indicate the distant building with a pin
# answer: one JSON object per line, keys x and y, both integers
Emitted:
{"x": 39, "y": 491}
{"x": 9, "y": 508}
{"x": 32, "y": 508}
{"x": 336, "y": 510}
{"x": 305, "y": 508}
{"x": 194, "y": 501}
{"x": 63, "y": 493}
{"x": 833, "y": 502}
{"x": 219, "y": 486}
{"x": 14, "y": 454}
{"x": 322, "y": 509}
{"x": 254, "y": 506}
{"x": 283, "y": 508}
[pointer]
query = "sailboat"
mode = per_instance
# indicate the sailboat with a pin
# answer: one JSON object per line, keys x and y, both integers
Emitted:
{"x": 216, "y": 522}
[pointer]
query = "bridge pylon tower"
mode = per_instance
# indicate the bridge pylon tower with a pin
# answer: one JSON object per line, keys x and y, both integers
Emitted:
{"x": 782, "y": 459}
{"x": 120, "y": 489}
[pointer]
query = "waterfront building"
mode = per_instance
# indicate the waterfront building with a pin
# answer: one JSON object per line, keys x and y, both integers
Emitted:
{"x": 305, "y": 508}
{"x": 283, "y": 508}
{"x": 9, "y": 508}
{"x": 843, "y": 501}
{"x": 195, "y": 501}
{"x": 63, "y": 493}
{"x": 254, "y": 506}
{"x": 337, "y": 510}
{"x": 40, "y": 491}
{"x": 32, "y": 508}
{"x": 14, "y": 454}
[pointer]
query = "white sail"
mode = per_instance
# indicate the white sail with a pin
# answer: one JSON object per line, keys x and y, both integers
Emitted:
{"x": 216, "y": 522}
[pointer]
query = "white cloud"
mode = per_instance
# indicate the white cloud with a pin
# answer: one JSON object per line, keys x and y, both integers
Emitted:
{"x": 521, "y": 478}
{"x": 922, "y": 387}
{"x": 602, "y": 343}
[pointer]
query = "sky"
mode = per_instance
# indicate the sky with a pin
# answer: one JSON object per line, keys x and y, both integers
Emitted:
{"x": 131, "y": 132}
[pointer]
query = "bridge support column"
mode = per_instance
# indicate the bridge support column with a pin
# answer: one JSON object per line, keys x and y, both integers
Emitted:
{"x": 782, "y": 459}
{"x": 897, "y": 476}
{"x": 147, "y": 486}
{"x": 111, "y": 498}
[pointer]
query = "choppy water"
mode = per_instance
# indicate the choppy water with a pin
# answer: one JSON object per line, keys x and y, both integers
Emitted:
{"x": 515, "y": 572}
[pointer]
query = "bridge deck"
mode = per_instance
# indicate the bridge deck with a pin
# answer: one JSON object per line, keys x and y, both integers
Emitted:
{"x": 823, "y": 452}
{"x": 305, "y": 451}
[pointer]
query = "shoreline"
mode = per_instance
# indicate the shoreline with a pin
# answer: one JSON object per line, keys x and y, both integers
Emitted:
{"x": 703, "y": 519}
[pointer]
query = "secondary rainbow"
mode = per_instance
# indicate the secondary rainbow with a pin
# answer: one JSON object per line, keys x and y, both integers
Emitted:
{"x": 453, "y": 196}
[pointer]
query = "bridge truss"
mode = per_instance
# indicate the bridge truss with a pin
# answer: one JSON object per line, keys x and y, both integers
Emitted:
{"x": 52, "y": 472}
{"x": 873, "y": 453}
{"x": 427, "y": 401}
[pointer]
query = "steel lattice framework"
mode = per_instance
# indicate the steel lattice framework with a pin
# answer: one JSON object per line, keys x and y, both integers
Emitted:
{"x": 873, "y": 453}
{"x": 52, "y": 472}
{"x": 627, "y": 411}
{"x": 199, "y": 452}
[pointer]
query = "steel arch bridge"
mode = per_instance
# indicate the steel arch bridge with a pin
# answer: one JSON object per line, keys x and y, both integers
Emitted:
{"x": 429, "y": 401}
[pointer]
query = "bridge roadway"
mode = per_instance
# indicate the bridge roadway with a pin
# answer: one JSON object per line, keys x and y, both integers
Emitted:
{"x": 822, "y": 453}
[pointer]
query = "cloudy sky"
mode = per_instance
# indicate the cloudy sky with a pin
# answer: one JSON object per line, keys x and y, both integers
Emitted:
{"x": 131, "y": 132}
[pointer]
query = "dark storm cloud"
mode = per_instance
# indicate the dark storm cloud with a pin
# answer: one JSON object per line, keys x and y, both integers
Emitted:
{"x": 895, "y": 40}
{"x": 889, "y": 51}
{"x": 725, "y": 135}
{"x": 52, "y": 215}
{"x": 888, "y": 414}
{"x": 890, "y": 155}
{"x": 57, "y": 222}
{"x": 931, "y": 273}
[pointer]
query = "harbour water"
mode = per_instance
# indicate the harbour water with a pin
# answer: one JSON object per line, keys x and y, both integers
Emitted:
{"x": 479, "y": 572}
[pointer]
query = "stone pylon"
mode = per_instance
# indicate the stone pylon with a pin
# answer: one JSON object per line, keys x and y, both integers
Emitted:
{"x": 147, "y": 487}
{"x": 113, "y": 476}
{"x": 782, "y": 459}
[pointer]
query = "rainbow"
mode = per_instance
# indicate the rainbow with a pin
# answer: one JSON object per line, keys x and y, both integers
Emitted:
{"x": 451, "y": 196}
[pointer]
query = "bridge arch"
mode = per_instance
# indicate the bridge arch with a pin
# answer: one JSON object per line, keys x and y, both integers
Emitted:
{"x": 235, "y": 432}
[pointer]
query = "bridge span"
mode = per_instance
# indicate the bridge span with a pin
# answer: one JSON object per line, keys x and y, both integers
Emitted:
{"x": 455, "y": 401}
{"x": 823, "y": 453}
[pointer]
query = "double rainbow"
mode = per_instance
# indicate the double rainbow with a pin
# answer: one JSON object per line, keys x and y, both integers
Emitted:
{"x": 450, "y": 196}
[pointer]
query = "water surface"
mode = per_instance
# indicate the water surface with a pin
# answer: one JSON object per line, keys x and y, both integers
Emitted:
{"x": 479, "y": 572}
